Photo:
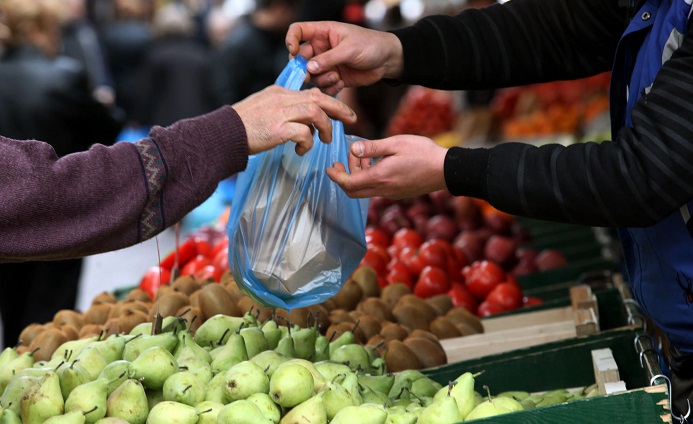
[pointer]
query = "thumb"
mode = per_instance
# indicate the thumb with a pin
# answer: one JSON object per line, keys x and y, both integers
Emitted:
{"x": 371, "y": 149}
{"x": 326, "y": 61}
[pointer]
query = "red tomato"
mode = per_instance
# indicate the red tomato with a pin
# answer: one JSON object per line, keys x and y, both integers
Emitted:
{"x": 461, "y": 296}
{"x": 221, "y": 260}
{"x": 223, "y": 244}
{"x": 381, "y": 251}
{"x": 186, "y": 252}
{"x": 375, "y": 261}
{"x": 531, "y": 301}
{"x": 376, "y": 236}
{"x": 483, "y": 276}
{"x": 209, "y": 271}
{"x": 153, "y": 278}
{"x": 508, "y": 295}
{"x": 433, "y": 253}
{"x": 399, "y": 273}
{"x": 409, "y": 256}
{"x": 195, "y": 265}
{"x": 432, "y": 281}
{"x": 488, "y": 308}
{"x": 406, "y": 237}
{"x": 203, "y": 247}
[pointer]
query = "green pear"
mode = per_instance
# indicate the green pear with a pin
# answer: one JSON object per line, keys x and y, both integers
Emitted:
{"x": 10, "y": 417}
{"x": 74, "y": 417}
{"x": 290, "y": 385}
{"x": 269, "y": 409}
{"x": 135, "y": 346}
{"x": 304, "y": 342}
{"x": 215, "y": 389}
{"x": 400, "y": 388}
{"x": 345, "y": 338}
{"x": 311, "y": 411}
{"x": 378, "y": 383}
{"x": 216, "y": 329}
{"x": 72, "y": 375}
{"x": 508, "y": 403}
{"x": 90, "y": 397}
{"x": 15, "y": 390}
{"x": 424, "y": 387}
{"x": 142, "y": 329}
{"x": 92, "y": 361}
{"x": 319, "y": 382}
{"x": 111, "y": 348}
{"x": 116, "y": 373}
{"x": 330, "y": 369}
{"x": 353, "y": 354}
{"x": 286, "y": 347}
{"x": 193, "y": 363}
{"x": 128, "y": 402}
{"x": 168, "y": 412}
{"x": 463, "y": 392}
{"x": 187, "y": 345}
{"x": 369, "y": 395}
{"x": 184, "y": 387}
{"x": 232, "y": 353}
{"x": 443, "y": 410}
{"x": 42, "y": 401}
{"x": 13, "y": 366}
{"x": 378, "y": 366}
{"x": 8, "y": 354}
{"x": 72, "y": 348}
{"x": 111, "y": 420}
{"x": 351, "y": 384}
{"x": 515, "y": 394}
{"x": 404, "y": 417}
{"x": 269, "y": 361}
{"x": 361, "y": 415}
{"x": 272, "y": 333}
{"x": 154, "y": 397}
{"x": 208, "y": 411}
{"x": 336, "y": 398}
{"x": 241, "y": 412}
{"x": 35, "y": 372}
{"x": 322, "y": 349}
{"x": 245, "y": 379}
{"x": 255, "y": 341}
{"x": 154, "y": 365}
{"x": 485, "y": 409}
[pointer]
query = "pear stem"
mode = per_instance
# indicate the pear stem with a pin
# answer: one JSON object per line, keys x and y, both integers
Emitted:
{"x": 267, "y": 369}
{"x": 240, "y": 327}
{"x": 186, "y": 389}
{"x": 33, "y": 352}
{"x": 101, "y": 334}
{"x": 488, "y": 392}
{"x": 207, "y": 410}
{"x": 358, "y": 321}
{"x": 133, "y": 338}
{"x": 183, "y": 313}
{"x": 222, "y": 336}
{"x": 19, "y": 343}
{"x": 308, "y": 318}
{"x": 334, "y": 333}
{"x": 192, "y": 320}
{"x": 59, "y": 365}
{"x": 450, "y": 386}
{"x": 90, "y": 411}
{"x": 73, "y": 363}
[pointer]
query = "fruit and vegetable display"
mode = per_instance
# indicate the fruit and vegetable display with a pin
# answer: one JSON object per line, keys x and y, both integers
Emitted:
{"x": 423, "y": 111}
{"x": 236, "y": 370}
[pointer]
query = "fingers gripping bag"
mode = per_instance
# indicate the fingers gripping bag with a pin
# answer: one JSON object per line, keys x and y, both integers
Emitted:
{"x": 294, "y": 235}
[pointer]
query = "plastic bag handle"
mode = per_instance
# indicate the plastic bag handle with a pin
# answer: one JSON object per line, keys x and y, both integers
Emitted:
{"x": 294, "y": 74}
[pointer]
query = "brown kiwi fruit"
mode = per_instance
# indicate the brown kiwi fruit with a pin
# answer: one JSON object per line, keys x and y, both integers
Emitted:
{"x": 235, "y": 291}
{"x": 370, "y": 326}
{"x": 21, "y": 349}
{"x": 97, "y": 314}
{"x": 186, "y": 284}
{"x": 430, "y": 354}
{"x": 330, "y": 305}
{"x": 138, "y": 305}
{"x": 355, "y": 315}
{"x": 103, "y": 297}
{"x": 367, "y": 278}
{"x": 411, "y": 316}
{"x": 376, "y": 308}
{"x": 299, "y": 316}
{"x": 442, "y": 303}
{"x": 425, "y": 334}
{"x": 45, "y": 343}
{"x": 321, "y": 315}
{"x": 340, "y": 315}
{"x": 169, "y": 303}
{"x": 424, "y": 308}
{"x": 129, "y": 318}
{"x": 375, "y": 341}
{"x": 194, "y": 298}
{"x": 226, "y": 277}
{"x": 137, "y": 294}
{"x": 462, "y": 315}
{"x": 116, "y": 310}
{"x": 393, "y": 292}
{"x": 29, "y": 333}
{"x": 193, "y": 315}
{"x": 394, "y": 331}
{"x": 111, "y": 327}
{"x": 444, "y": 328}
{"x": 465, "y": 328}
{"x": 281, "y": 316}
{"x": 162, "y": 290}
{"x": 348, "y": 296}
{"x": 215, "y": 299}
{"x": 342, "y": 327}
{"x": 69, "y": 316}
{"x": 70, "y": 331}
{"x": 90, "y": 330}
{"x": 399, "y": 357}
{"x": 246, "y": 304}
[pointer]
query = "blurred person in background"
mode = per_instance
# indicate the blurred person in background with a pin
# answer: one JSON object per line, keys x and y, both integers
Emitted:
{"x": 44, "y": 97}
{"x": 253, "y": 54}
{"x": 176, "y": 70}
{"x": 81, "y": 42}
{"x": 126, "y": 41}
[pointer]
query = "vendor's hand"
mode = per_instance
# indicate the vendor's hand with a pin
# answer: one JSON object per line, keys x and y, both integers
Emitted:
{"x": 408, "y": 166}
{"x": 344, "y": 54}
{"x": 276, "y": 115}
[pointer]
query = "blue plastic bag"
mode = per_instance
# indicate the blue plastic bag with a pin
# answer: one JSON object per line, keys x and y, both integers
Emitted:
{"x": 294, "y": 235}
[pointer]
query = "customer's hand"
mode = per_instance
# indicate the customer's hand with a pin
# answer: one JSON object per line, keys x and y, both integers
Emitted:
{"x": 344, "y": 54}
{"x": 407, "y": 166}
{"x": 276, "y": 115}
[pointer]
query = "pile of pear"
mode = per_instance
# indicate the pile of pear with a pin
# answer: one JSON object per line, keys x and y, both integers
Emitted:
{"x": 392, "y": 318}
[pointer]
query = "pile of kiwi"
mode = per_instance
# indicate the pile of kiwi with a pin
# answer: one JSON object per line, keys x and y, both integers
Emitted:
{"x": 406, "y": 327}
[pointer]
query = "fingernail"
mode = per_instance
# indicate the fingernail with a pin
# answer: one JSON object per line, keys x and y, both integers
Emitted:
{"x": 313, "y": 66}
{"x": 358, "y": 147}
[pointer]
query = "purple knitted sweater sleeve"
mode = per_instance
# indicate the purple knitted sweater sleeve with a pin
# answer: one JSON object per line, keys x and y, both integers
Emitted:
{"x": 112, "y": 197}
